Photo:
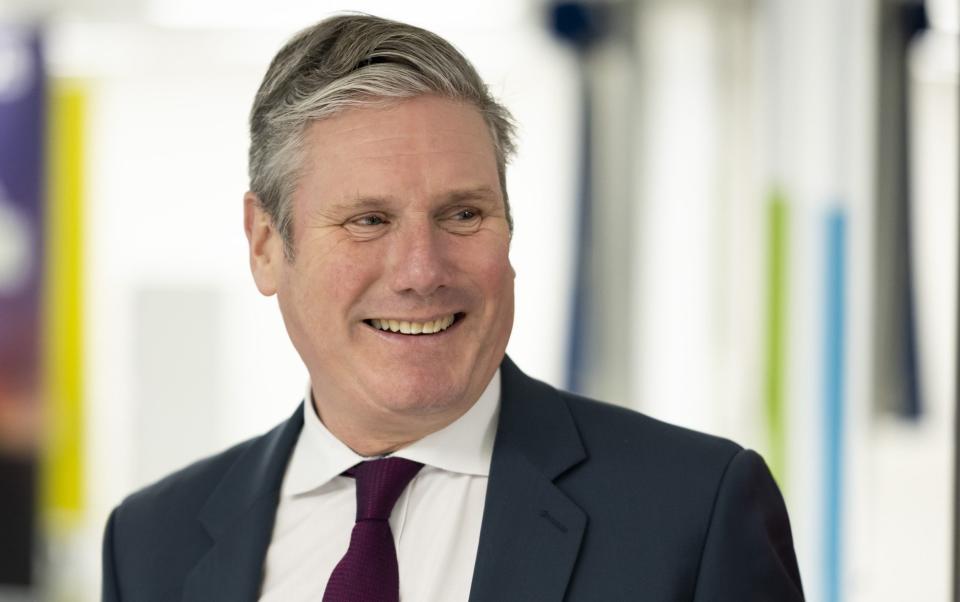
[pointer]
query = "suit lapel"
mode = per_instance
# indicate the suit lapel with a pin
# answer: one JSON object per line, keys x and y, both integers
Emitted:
{"x": 239, "y": 518}
{"x": 531, "y": 531}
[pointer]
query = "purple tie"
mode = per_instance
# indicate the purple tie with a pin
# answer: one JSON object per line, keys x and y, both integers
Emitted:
{"x": 368, "y": 571}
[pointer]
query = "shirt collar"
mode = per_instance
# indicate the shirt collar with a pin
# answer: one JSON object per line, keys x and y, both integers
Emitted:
{"x": 465, "y": 446}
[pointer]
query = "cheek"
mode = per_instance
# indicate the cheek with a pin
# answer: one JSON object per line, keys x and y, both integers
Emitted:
{"x": 327, "y": 287}
{"x": 496, "y": 277}
{"x": 497, "y": 318}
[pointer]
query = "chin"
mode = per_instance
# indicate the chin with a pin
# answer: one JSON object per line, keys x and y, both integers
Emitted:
{"x": 422, "y": 396}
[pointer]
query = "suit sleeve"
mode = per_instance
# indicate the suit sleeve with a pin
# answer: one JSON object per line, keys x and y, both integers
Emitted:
{"x": 748, "y": 552}
{"x": 110, "y": 592}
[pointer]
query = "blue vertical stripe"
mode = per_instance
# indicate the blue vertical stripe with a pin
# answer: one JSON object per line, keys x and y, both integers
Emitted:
{"x": 582, "y": 25}
{"x": 580, "y": 303}
{"x": 834, "y": 341}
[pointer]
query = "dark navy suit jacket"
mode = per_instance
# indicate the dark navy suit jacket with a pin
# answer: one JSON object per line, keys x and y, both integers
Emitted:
{"x": 586, "y": 501}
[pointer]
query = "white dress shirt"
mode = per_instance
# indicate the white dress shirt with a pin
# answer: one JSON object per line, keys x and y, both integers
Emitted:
{"x": 435, "y": 522}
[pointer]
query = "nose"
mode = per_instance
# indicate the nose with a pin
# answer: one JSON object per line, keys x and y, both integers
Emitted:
{"x": 419, "y": 261}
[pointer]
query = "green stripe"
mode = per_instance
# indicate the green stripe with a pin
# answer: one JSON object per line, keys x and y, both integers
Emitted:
{"x": 776, "y": 332}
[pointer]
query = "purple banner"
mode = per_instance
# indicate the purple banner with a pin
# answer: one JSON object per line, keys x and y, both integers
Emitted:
{"x": 22, "y": 118}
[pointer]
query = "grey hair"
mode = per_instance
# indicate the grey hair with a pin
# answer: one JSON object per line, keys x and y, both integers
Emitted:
{"x": 349, "y": 61}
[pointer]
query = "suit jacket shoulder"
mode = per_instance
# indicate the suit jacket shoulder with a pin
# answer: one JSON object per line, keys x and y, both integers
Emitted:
{"x": 716, "y": 517}
{"x": 180, "y": 495}
{"x": 634, "y": 441}
{"x": 168, "y": 532}
{"x": 590, "y": 501}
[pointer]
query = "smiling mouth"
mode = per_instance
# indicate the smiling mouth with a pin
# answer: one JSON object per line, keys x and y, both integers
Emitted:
{"x": 414, "y": 328}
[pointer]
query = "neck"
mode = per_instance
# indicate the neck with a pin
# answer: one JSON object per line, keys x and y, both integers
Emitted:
{"x": 382, "y": 435}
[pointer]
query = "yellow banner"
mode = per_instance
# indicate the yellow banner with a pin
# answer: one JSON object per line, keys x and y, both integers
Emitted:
{"x": 62, "y": 493}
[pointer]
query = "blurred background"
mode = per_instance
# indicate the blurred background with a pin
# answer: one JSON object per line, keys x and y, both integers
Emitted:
{"x": 735, "y": 215}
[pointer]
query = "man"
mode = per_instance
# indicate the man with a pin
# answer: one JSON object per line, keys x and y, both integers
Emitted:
{"x": 423, "y": 464}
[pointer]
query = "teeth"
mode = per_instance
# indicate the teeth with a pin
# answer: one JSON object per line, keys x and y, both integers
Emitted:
{"x": 406, "y": 327}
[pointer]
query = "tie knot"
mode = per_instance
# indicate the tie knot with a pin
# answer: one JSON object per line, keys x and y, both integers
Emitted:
{"x": 379, "y": 485}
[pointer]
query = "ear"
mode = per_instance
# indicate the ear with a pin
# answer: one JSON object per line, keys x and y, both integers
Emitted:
{"x": 266, "y": 245}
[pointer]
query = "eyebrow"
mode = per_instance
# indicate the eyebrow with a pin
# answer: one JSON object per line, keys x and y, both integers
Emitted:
{"x": 372, "y": 203}
{"x": 361, "y": 203}
{"x": 483, "y": 192}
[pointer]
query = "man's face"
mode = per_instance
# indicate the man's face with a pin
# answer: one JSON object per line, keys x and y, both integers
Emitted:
{"x": 398, "y": 221}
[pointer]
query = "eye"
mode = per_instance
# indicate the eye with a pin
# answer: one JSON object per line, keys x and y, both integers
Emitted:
{"x": 463, "y": 220}
{"x": 464, "y": 214}
{"x": 369, "y": 220}
{"x": 367, "y": 225}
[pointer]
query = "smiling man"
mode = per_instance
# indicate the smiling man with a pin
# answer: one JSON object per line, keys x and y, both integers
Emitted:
{"x": 423, "y": 464}
{"x": 399, "y": 292}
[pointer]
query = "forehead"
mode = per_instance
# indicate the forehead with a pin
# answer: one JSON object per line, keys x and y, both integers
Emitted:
{"x": 422, "y": 137}
{"x": 419, "y": 113}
